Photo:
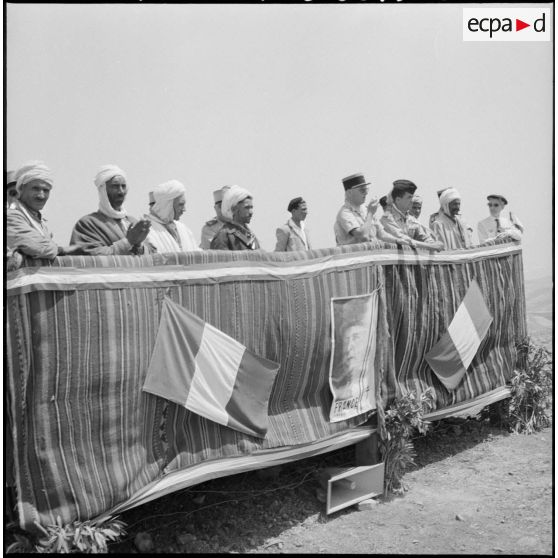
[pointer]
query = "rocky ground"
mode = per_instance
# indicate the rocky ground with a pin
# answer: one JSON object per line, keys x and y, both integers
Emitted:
{"x": 476, "y": 489}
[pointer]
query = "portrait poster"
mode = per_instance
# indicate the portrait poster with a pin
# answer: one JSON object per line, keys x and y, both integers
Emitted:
{"x": 354, "y": 322}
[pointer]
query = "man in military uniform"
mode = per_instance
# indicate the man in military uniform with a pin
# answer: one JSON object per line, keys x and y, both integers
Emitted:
{"x": 213, "y": 226}
{"x": 397, "y": 219}
{"x": 237, "y": 211}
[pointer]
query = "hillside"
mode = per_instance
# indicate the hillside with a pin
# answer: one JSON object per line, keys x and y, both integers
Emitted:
{"x": 538, "y": 297}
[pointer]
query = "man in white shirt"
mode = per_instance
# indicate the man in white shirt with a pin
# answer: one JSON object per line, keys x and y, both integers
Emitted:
{"x": 498, "y": 225}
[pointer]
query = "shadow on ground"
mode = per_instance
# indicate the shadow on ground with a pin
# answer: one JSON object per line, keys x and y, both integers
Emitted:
{"x": 235, "y": 513}
{"x": 452, "y": 436}
{"x": 242, "y": 512}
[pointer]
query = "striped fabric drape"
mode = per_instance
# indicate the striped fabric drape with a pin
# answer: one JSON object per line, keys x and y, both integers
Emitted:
{"x": 82, "y": 330}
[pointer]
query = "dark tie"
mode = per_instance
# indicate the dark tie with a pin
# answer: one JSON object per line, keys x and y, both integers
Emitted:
{"x": 497, "y": 226}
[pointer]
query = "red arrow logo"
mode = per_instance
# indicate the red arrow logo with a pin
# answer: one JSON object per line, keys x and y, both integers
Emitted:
{"x": 519, "y": 25}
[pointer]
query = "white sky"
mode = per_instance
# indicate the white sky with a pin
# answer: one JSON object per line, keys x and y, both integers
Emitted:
{"x": 284, "y": 100}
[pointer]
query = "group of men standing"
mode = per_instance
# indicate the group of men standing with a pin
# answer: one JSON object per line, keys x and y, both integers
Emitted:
{"x": 110, "y": 230}
{"x": 399, "y": 224}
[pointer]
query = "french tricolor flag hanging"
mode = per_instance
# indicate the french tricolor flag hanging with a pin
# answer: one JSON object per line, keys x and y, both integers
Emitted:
{"x": 453, "y": 353}
{"x": 211, "y": 374}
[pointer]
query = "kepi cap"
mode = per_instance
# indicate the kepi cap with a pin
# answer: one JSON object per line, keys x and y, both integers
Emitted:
{"x": 354, "y": 181}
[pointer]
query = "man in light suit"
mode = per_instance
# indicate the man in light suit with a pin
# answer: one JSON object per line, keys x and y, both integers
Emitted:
{"x": 293, "y": 235}
{"x": 498, "y": 225}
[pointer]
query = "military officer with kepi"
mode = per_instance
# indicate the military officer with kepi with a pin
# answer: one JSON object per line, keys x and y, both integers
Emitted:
{"x": 213, "y": 226}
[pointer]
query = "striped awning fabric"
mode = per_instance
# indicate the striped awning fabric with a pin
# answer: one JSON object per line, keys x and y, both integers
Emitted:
{"x": 81, "y": 333}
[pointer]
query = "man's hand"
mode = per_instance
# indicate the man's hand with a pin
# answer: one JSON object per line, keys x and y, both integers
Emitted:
{"x": 137, "y": 233}
{"x": 72, "y": 250}
{"x": 404, "y": 242}
{"x": 373, "y": 206}
{"x": 13, "y": 260}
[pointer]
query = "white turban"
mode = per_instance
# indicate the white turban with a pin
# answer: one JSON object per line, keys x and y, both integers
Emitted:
{"x": 416, "y": 198}
{"x": 448, "y": 195}
{"x": 32, "y": 170}
{"x": 105, "y": 173}
{"x": 233, "y": 196}
{"x": 164, "y": 196}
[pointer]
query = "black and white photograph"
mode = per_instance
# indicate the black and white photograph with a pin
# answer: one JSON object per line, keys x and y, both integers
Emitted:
{"x": 189, "y": 188}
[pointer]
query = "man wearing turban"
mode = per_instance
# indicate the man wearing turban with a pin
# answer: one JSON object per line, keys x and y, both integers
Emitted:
{"x": 397, "y": 221}
{"x": 26, "y": 228}
{"x": 167, "y": 233}
{"x": 294, "y": 235}
{"x": 11, "y": 190}
{"x": 416, "y": 206}
{"x": 237, "y": 209}
{"x": 435, "y": 215}
{"x": 449, "y": 228}
{"x": 213, "y": 226}
{"x": 110, "y": 230}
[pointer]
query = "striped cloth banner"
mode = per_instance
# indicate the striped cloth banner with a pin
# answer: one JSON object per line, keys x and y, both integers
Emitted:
{"x": 454, "y": 352}
{"x": 201, "y": 368}
{"x": 82, "y": 330}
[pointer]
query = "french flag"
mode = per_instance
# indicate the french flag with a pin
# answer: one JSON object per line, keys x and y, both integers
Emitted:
{"x": 450, "y": 357}
{"x": 199, "y": 367}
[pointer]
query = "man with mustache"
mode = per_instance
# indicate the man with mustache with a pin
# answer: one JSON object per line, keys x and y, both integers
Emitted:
{"x": 449, "y": 228}
{"x": 237, "y": 211}
{"x": 26, "y": 230}
{"x": 110, "y": 230}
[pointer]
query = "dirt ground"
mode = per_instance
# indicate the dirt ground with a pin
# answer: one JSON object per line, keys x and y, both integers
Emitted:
{"x": 476, "y": 489}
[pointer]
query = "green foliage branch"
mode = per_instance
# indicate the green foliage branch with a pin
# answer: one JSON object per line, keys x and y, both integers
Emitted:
{"x": 531, "y": 388}
{"x": 84, "y": 537}
{"x": 402, "y": 419}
